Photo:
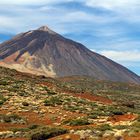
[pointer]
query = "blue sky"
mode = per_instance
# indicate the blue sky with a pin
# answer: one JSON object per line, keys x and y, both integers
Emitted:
{"x": 109, "y": 27}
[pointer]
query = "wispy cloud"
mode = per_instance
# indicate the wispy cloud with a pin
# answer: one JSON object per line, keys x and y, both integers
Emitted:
{"x": 124, "y": 9}
{"x": 111, "y": 4}
{"x": 32, "y": 2}
{"x": 122, "y": 56}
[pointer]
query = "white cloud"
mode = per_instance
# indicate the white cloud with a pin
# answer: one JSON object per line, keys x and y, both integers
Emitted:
{"x": 27, "y": 17}
{"x": 31, "y": 2}
{"x": 111, "y": 4}
{"x": 6, "y": 21}
{"x": 123, "y": 56}
{"x": 20, "y": 19}
{"x": 123, "y": 44}
{"x": 126, "y": 10}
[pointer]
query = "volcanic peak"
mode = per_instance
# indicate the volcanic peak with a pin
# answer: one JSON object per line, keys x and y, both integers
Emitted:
{"x": 46, "y": 29}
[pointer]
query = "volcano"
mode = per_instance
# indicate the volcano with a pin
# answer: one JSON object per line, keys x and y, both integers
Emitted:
{"x": 45, "y": 52}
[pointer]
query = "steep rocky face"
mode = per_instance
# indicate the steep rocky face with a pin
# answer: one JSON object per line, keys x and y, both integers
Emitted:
{"x": 45, "y": 52}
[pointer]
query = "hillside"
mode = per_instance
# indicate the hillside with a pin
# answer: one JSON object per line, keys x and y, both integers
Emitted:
{"x": 45, "y": 52}
{"x": 71, "y": 108}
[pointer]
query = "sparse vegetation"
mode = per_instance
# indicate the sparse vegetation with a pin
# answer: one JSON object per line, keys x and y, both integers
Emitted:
{"x": 2, "y": 99}
{"x": 84, "y": 105}
{"x": 13, "y": 118}
{"x": 104, "y": 127}
{"x": 46, "y": 132}
{"x": 77, "y": 122}
{"x": 52, "y": 101}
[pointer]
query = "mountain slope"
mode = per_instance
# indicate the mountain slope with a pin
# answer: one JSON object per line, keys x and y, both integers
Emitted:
{"x": 45, "y": 52}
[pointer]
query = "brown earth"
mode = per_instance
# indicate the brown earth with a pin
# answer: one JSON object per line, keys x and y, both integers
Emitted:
{"x": 92, "y": 97}
{"x": 125, "y": 117}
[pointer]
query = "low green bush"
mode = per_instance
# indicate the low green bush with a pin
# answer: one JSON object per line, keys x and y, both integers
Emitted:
{"x": 20, "y": 129}
{"x": 52, "y": 101}
{"x": 33, "y": 126}
{"x": 49, "y": 92}
{"x": 3, "y": 82}
{"x": 25, "y": 104}
{"x": 117, "y": 112}
{"x": 2, "y": 99}
{"x": 120, "y": 127}
{"x": 129, "y": 104}
{"x": 45, "y": 133}
{"x": 93, "y": 116}
{"x": 105, "y": 127}
{"x": 76, "y": 122}
{"x": 10, "y": 118}
{"x": 23, "y": 93}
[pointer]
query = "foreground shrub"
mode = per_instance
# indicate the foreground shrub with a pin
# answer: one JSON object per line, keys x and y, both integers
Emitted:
{"x": 105, "y": 127}
{"x": 33, "y": 126}
{"x": 93, "y": 116}
{"x": 129, "y": 104}
{"x": 2, "y": 99}
{"x": 121, "y": 127}
{"x": 45, "y": 133}
{"x": 76, "y": 122}
{"x": 3, "y": 82}
{"x": 25, "y": 104}
{"x": 117, "y": 112}
{"x": 52, "y": 101}
{"x": 13, "y": 118}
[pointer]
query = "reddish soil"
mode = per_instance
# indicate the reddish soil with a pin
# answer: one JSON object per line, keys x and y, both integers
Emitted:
{"x": 7, "y": 126}
{"x": 136, "y": 137}
{"x": 4, "y": 111}
{"x": 93, "y": 98}
{"x": 34, "y": 118}
{"x": 47, "y": 84}
{"x": 132, "y": 138}
{"x": 125, "y": 117}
